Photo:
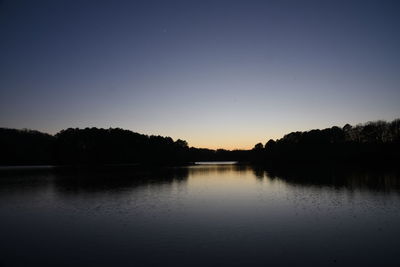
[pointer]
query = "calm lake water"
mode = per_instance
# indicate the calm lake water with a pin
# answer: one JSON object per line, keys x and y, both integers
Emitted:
{"x": 205, "y": 215}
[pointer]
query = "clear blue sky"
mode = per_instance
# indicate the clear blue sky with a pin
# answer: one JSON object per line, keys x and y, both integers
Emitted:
{"x": 216, "y": 73}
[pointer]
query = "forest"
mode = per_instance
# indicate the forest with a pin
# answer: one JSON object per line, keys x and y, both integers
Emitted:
{"x": 375, "y": 141}
{"x": 372, "y": 141}
{"x": 75, "y": 146}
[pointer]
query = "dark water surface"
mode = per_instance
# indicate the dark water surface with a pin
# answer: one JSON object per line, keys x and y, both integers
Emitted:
{"x": 206, "y": 215}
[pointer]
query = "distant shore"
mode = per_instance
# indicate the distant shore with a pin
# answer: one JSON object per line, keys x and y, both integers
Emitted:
{"x": 369, "y": 142}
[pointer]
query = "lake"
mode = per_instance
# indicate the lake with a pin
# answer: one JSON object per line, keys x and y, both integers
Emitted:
{"x": 201, "y": 215}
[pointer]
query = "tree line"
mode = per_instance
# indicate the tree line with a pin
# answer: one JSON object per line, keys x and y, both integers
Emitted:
{"x": 372, "y": 141}
{"x": 376, "y": 141}
{"x": 75, "y": 146}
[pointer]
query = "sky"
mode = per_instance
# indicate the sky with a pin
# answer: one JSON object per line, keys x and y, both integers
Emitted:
{"x": 218, "y": 74}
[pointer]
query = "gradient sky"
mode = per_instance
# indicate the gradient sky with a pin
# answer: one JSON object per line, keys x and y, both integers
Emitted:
{"x": 219, "y": 74}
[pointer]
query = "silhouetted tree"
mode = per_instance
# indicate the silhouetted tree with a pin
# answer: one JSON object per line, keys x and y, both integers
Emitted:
{"x": 373, "y": 141}
{"x": 22, "y": 147}
{"x": 101, "y": 146}
{"x": 258, "y": 147}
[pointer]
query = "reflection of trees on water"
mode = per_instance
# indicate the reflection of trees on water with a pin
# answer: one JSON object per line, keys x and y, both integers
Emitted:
{"x": 76, "y": 180}
{"x": 217, "y": 169}
{"x": 353, "y": 178}
{"x": 116, "y": 180}
{"x": 26, "y": 181}
{"x": 107, "y": 179}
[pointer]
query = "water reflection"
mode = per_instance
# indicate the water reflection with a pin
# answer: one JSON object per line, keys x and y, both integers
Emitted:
{"x": 209, "y": 215}
{"x": 381, "y": 179}
{"x": 78, "y": 180}
{"x": 75, "y": 180}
